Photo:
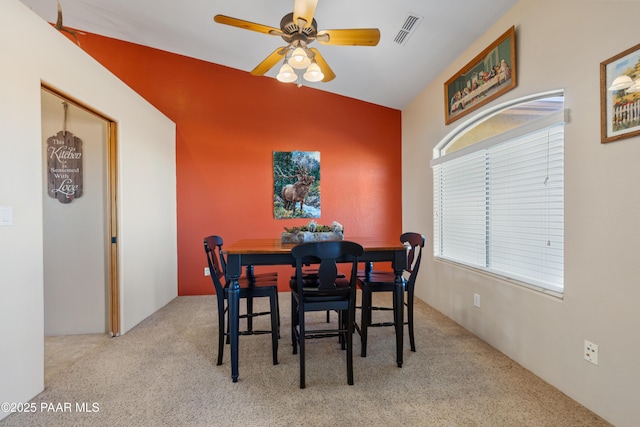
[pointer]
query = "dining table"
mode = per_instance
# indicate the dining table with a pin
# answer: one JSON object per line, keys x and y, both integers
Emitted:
{"x": 270, "y": 251}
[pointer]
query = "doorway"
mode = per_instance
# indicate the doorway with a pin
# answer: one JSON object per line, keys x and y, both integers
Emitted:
{"x": 81, "y": 292}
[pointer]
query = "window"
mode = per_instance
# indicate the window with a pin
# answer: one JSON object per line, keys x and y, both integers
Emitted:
{"x": 499, "y": 193}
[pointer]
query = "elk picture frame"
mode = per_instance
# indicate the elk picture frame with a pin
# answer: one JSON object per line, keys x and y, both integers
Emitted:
{"x": 296, "y": 184}
{"x": 486, "y": 77}
{"x": 620, "y": 96}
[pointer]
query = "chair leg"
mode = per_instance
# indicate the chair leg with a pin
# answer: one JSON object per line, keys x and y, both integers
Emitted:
{"x": 412, "y": 339}
{"x": 278, "y": 311}
{"x": 273, "y": 298}
{"x": 301, "y": 344}
{"x": 249, "y": 313}
{"x": 228, "y": 339}
{"x": 221, "y": 335}
{"x": 398, "y": 314}
{"x": 294, "y": 321}
{"x": 365, "y": 319}
{"x": 342, "y": 325}
{"x": 350, "y": 321}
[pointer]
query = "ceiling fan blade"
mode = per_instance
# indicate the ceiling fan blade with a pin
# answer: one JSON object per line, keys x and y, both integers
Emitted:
{"x": 326, "y": 70}
{"x": 269, "y": 62}
{"x": 351, "y": 37}
{"x": 246, "y": 25}
{"x": 304, "y": 9}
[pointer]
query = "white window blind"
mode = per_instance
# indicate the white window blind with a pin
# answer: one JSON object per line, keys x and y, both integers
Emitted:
{"x": 499, "y": 205}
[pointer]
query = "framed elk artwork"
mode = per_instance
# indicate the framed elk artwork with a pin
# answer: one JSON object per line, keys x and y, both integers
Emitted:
{"x": 296, "y": 184}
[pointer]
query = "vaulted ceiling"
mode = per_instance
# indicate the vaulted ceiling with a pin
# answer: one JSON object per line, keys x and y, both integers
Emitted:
{"x": 406, "y": 59}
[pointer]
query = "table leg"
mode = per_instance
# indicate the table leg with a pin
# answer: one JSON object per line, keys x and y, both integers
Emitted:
{"x": 233, "y": 270}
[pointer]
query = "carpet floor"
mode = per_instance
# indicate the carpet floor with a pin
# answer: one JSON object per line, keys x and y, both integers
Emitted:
{"x": 163, "y": 373}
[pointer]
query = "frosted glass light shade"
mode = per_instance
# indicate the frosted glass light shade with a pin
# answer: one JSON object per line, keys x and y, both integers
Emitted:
{"x": 286, "y": 74}
{"x": 313, "y": 73}
{"x": 299, "y": 59}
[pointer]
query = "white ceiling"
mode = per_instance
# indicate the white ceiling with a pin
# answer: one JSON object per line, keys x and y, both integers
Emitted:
{"x": 388, "y": 74}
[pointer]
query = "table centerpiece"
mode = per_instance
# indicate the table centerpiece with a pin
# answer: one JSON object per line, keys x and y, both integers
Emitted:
{"x": 313, "y": 232}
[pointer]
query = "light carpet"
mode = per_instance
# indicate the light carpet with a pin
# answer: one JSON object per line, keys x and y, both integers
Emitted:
{"x": 163, "y": 373}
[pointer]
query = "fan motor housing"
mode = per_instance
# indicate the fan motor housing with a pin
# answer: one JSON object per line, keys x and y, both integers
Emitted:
{"x": 289, "y": 27}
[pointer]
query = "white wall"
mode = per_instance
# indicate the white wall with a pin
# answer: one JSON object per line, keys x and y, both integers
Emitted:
{"x": 32, "y": 51}
{"x": 560, "y": 45}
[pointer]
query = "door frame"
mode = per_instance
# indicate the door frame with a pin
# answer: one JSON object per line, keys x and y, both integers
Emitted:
{"x": 114, "y": 322}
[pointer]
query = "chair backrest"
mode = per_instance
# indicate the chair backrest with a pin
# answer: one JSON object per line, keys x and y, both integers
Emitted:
{"x": 415, "y": 242}
{"x": 327, "y": 254}
{"x": 213, "y": 248}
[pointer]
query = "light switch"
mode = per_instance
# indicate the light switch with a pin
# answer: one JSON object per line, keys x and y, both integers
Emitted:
{"x": 6, "y": 215}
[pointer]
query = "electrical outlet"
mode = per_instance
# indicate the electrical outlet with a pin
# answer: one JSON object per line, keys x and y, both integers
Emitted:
{"x": 207, "y": 272}
{"x": 590, "y": 352}
{"x": 476, "y": 300}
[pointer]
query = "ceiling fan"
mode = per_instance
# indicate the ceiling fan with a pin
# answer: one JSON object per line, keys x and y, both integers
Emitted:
{"x": 299, "y": 29}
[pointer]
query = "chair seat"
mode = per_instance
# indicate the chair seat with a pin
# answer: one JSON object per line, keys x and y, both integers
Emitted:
{"x": 378, "y": 276}
{"x": 377, "y": 279}
{"x": 247, "y": 283}
{"x": 254, "y": 290}
{"x": 314, "y": 295}
{"x": 310, "y": 273}
{"x": 376, "y": 285}
{"x": 263, "y": 276}
{"x": 340, "y": 282}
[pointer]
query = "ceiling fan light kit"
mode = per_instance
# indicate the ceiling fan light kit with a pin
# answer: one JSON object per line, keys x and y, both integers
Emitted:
{"x": 298, "y": 30}
{"x": 299, "y": 65}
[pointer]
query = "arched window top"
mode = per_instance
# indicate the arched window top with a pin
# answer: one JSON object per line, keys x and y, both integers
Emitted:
{"x": 502, "y": 119}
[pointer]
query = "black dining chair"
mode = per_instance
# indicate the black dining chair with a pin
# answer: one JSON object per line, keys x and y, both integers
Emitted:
{"x": 323, "y": 292}
{"x": 384, "y": 281}
{"x": 251, "y": 276}
{"x": 265, "y": 286}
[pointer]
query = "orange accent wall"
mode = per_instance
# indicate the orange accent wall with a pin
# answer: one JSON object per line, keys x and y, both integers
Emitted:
{"x": 228, "y": 124}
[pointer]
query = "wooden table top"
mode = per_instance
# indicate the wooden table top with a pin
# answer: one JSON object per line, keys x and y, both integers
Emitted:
{"x": 273, "y": 246}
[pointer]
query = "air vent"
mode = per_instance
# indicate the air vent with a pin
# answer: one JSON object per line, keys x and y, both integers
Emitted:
{"x": 410, "y": 24}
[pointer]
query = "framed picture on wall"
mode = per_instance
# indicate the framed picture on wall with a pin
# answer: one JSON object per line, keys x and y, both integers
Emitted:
{"x": 487, "y": 76}
{"x": 620, "y": 95}
{"x": 296, "y": 184}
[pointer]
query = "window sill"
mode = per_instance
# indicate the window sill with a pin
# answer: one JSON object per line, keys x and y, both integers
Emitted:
{"x": 505, "y": 279}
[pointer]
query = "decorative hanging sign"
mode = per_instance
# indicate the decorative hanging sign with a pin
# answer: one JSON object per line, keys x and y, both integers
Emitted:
{"x": 64, "y": 166}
